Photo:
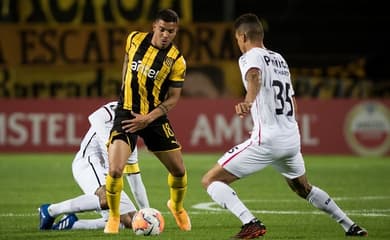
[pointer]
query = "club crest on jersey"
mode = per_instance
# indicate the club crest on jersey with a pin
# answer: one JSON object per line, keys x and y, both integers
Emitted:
{"x": 145, "y": 70}
{"x": 169, "y": 61}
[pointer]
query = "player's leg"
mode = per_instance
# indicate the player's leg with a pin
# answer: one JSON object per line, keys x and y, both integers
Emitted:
{"x": 160, "y": 139}
{"x": 321, "y": 200}
{"x": 293, "y": 170}
{"x": 82, "y": 203}
{"x": 71, "y": 222}
{"x": 89, "y": 224}
{"x": 126, "y": 206}
{"x": 234, "y": 164}
{"x": 216, "y": 181}
{"x": 88, "y": 174}
{"x": 177, "y": 182}
{"x": 127, "y": 210}
{"x": 100, "y": 223}
{"x": 177, "y": 177}
{"x": 118, "y": 153}
{"x": 137, "y": 188}
{"x": 134, "y": 178}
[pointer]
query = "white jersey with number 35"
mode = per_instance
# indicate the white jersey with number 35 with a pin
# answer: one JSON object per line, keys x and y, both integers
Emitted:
{"x": 272, "y": 111}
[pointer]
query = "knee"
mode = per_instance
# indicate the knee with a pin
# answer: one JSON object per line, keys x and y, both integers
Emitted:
{"x": 206, "y": 181}
{"x": 300, "y": 186}
{"x": 303, "y": 193}
{"x": 177, "y": 169}
{"x": 178, "y": 172}
{"x": 116, "y": 172}
{"x": 302, "y": 190}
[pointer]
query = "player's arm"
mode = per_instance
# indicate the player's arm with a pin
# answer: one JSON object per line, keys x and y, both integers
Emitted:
{"x": 295, "y": 105}
{"x": 170, "y": 102}
{"x": 141, "y": 121}
{"x": 129, "y": 41}
{"x": 124, "y": 68}
{"x": 176, "y": 79}
{"x": 253, "y": 77}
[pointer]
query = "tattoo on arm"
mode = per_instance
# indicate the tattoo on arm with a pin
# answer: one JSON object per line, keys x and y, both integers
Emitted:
{"x": 254, "y": 82}
{"x": 163, "y": 108}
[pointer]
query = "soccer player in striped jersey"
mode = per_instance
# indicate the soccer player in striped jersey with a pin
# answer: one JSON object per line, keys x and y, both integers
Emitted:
{"x": 275, "y": 138}
{"x": 90, "y": 167}
{"x": 152, "y": 79}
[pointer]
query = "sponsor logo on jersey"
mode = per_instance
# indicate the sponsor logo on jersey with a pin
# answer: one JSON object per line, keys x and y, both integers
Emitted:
{"x": 143, "y": 69}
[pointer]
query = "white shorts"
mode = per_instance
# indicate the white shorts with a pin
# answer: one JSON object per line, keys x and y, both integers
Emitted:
{"x": 250, "y": 157}
{"x": 90, "y": 174}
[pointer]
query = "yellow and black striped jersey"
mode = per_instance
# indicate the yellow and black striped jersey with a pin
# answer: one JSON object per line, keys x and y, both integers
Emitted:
{"x": 149, "y": 73}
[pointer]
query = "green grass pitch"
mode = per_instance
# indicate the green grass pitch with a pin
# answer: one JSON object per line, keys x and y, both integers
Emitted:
{"x": 359, "y": 185}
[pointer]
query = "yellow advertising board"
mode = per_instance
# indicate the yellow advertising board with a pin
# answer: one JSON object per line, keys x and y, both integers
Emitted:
{"x": 75, "y": 48}
{"x": 66, "y": 60}
{"x": 100, "y": 12}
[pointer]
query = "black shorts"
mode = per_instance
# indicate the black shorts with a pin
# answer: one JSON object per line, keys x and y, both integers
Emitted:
{"x": 158, "y": 136}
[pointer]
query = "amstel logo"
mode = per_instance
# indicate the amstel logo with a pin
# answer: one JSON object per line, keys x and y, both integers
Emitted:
{"x": 367, "y": 129}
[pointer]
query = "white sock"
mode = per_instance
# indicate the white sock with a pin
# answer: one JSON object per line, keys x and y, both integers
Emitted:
{"x": 225, "y": 196}
{"x": 81, "y": 203}
{"x": 138, "y": 189}
{"x": 89, "y": 224}
{"x": 321, "y": 200}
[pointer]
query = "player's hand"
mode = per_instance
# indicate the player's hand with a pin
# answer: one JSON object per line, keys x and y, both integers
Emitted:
{"x": 243, "y": 108}
{"x": 137, "y": 123}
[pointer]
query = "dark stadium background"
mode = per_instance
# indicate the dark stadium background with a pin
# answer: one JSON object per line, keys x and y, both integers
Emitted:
{"x": 318, "y": 33}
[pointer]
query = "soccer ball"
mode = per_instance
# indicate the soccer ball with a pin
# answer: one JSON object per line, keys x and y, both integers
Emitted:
{"x": 148, "y": 221}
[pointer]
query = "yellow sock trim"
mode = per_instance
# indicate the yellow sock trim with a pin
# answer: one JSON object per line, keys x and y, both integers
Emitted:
{"x": 131, "y": 168}
{"x": 114, "y": 187}
{"x": 177, "y": 189}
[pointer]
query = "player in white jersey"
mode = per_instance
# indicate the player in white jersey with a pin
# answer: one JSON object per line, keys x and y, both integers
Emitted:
{"x": 89, "y": 168}
{"x": 274, "y": 140}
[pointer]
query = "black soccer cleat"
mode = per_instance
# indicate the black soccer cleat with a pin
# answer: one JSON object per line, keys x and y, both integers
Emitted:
{"x": 356, "y": 231}
{"x": 253, "y": 229}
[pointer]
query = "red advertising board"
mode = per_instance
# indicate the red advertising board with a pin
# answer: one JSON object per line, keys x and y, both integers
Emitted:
{"x": 44, "y": 125}
{"x": 360, "y": 127}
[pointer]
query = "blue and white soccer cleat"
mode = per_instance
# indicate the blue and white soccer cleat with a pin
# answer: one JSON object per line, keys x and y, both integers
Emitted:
{"x": 45, "y": 220}
{"x": 66, "y": 222}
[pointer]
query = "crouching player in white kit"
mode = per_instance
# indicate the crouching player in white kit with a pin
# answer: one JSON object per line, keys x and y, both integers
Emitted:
{"x": 275, "y": 138}
{"x": 89, "y": 168}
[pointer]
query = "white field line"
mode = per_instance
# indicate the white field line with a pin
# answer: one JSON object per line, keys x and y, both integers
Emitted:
{"x": 213, "y": 208}
{"x": 362, "y": 212}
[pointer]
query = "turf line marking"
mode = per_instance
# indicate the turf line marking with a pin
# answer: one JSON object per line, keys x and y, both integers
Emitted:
{"x": 217, "y": 210}
{"x": 214, "y": 208}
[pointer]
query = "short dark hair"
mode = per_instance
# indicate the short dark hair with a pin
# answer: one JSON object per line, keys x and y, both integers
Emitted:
{"x": 249, "y": 24}
{"x": 167, "y": 15}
